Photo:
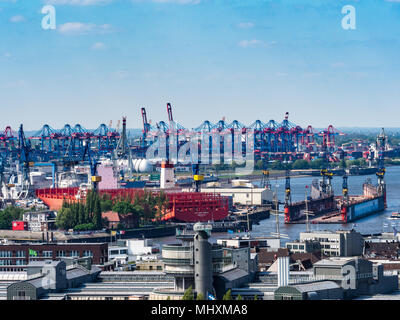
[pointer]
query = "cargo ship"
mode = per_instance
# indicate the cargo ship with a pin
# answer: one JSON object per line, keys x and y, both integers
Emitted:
{"x": 182, "y": 206}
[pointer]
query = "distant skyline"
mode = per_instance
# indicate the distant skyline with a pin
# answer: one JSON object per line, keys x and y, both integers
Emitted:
{"x": 242, "y": 60}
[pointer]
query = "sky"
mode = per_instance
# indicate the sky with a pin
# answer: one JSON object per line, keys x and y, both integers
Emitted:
{"x": 239, "y": 59}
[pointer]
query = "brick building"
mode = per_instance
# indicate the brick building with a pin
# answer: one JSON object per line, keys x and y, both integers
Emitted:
{"x": 22, "y": 253}
{"x": 115, "y": 220}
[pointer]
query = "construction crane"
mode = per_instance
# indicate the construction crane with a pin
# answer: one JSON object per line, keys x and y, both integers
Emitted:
{"x": 327, "y": 175}
{"x": 146, "y": 127}
{"x": 345, "y": 190}
{"x": 24, "y": 147}
{"x": 381, "y": 147}
{"x": 288, "y": 196}
{"x": 265, "y": 183}
{"x": 93, "y": 166}
{"x": 197, "y": 177}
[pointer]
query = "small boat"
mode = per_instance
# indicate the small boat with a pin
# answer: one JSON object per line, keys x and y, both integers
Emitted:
{"x": 395, "y": 215}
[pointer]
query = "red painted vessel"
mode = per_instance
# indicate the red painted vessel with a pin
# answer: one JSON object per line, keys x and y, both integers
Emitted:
{"x": 183, "y": 206}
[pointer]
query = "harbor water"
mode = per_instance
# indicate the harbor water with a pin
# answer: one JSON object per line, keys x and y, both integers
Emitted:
{"x": 375, "y": 223}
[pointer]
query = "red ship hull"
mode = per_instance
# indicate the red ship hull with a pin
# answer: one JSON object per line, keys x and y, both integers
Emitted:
{"x": 183, "y": 206}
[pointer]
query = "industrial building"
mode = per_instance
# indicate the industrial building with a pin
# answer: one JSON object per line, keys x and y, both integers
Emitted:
{"x": 48, "y": 276}
{"x": 306, "y": 246}
{"x": 208, "y": 268}
{"x": 255, "y": 243}
{"x": 342, "y": 243}
{"x": 40, "y": 220}
{"x": 323, "y": 290}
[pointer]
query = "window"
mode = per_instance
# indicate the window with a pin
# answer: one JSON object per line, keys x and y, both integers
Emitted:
{"x": 87, "y": 253}
{"x": 20, "y": 254}
{"x": 47, "y": 254}
{"x": 61, "y": 253}
{"x": 5, "y": 254}
{"x": 20, "y": 262}
{"x": 74, "y": 253}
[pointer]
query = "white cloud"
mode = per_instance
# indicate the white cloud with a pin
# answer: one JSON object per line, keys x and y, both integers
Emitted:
{"x": 78, "y": 28}
{"x": 78, "y": 2}
{"x": 16, "y": 19}
{"x": 254, "y": 43}
{"x": 246, "y": 25}
{"x": 98, "y": 46}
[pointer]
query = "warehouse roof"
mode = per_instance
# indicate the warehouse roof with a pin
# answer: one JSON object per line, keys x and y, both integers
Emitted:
{"x": 233, "y": 274}
{"x": 316, "y": 286}
{"x": 333, "y": 261}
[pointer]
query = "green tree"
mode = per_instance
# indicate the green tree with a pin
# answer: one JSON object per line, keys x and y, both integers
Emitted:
{"x": 239, "y": 297}
{"x": 277, "y": 165}
{"x": 301, "y": 164}
{"x": 255, "y": 297}
{"x": 65, "y": 219}
{"x": 188, "y": 294}
{"x": 82, "y": 214}
{"x": 8, "y": 215}
{"x": 227, "y": 295}
{"x": 97, "y": 213}
{"x": 200, "y": 297}
{"x": 259, "y": 165}
{"x": 316, "y": 164}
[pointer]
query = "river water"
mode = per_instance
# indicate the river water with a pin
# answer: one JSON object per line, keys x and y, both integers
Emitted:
{"x": 375, "y": 223}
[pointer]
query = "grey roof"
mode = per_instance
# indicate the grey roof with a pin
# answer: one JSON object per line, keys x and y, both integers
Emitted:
{"x": 43, "y": 263}
{"x": 39, "y": 282}
{"x": 75, "y": 273}
{"x": 316, "y": 286}
{"x": 333, "y": 262}
{"x": 233, "y": 274}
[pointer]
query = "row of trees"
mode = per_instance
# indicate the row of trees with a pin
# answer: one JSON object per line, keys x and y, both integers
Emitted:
{"x": 81, "y": 216}
{"x": 146, "y": 207}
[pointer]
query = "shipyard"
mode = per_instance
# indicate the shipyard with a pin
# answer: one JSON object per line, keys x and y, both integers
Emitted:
{"x": 122, "y": 219}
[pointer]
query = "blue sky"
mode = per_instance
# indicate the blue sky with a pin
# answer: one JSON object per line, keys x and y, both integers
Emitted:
{"x": 245, "y": 60}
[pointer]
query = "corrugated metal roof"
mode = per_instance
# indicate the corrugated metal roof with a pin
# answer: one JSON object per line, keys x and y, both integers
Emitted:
{"x": 316, "y": 286}
{"x": 234, "y": 274}
{"x": 75, "y": 273}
